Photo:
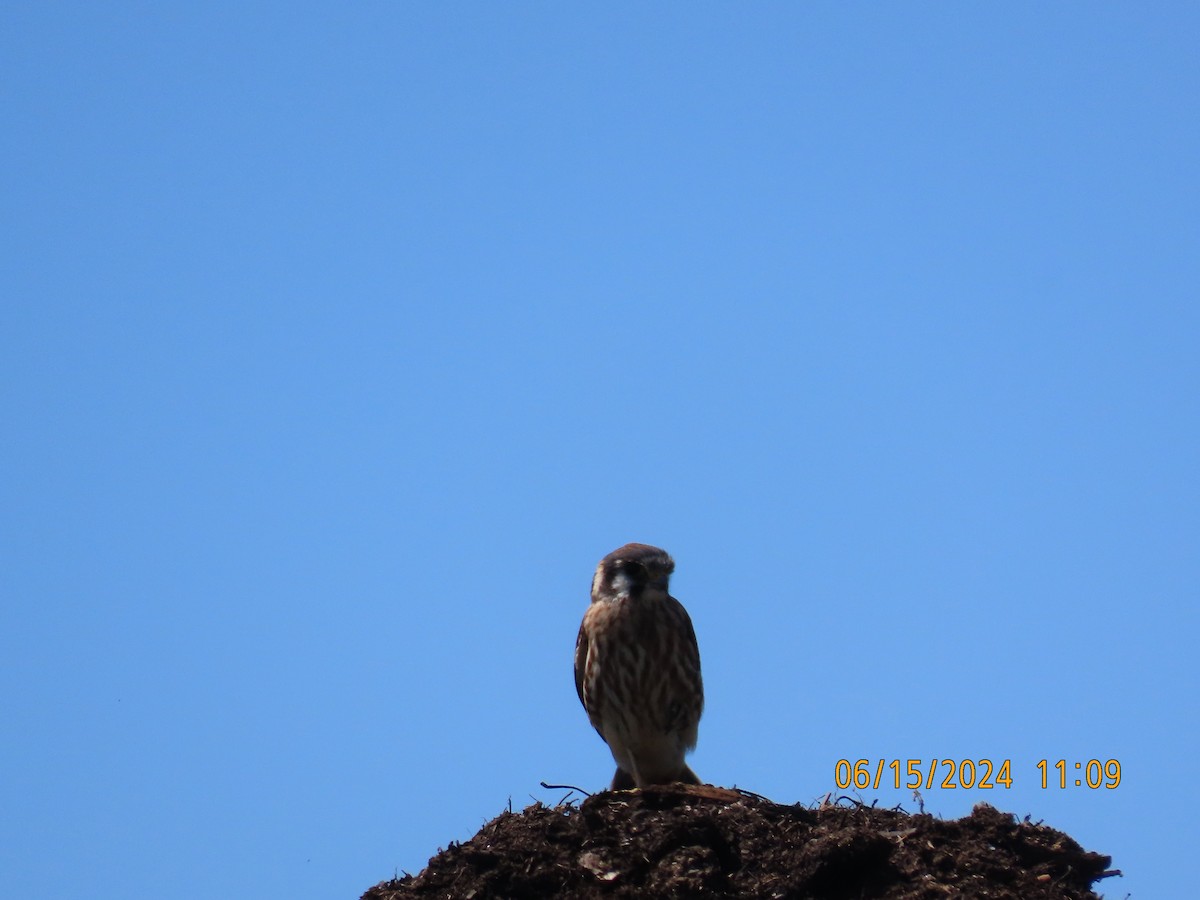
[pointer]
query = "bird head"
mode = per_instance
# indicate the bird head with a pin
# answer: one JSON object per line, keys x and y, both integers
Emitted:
{"x": 629, "y": 570}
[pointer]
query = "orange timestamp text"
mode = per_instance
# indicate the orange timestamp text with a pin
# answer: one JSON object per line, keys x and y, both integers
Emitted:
{"x": 985, "y": 774}
{"x": 919, "y": 773}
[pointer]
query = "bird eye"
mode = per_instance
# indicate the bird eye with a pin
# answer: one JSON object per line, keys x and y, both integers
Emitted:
{"x": 634, "y": 571}
{"x": 629, "y": 571}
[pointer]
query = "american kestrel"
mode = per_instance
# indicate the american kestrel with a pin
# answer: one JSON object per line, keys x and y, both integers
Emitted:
{"x": 637, "y": 668}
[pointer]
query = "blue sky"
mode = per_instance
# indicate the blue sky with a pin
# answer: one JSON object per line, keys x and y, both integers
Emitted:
{"x": 338, "y": 344}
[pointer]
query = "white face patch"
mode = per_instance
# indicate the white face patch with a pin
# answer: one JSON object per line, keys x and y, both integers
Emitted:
{"x": 622, "y": 583}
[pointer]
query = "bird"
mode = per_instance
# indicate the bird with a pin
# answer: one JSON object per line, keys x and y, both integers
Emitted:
{"x": 637, "y": 668}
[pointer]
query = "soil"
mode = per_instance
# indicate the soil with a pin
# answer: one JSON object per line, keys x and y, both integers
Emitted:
{"x": 699, "y": 841}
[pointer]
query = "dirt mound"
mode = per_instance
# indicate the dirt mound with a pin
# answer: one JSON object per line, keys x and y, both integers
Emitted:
{"x": 682, "y": 841}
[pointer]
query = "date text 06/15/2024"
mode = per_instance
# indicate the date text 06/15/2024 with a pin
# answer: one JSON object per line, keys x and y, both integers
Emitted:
{"x": 971, "y": 773}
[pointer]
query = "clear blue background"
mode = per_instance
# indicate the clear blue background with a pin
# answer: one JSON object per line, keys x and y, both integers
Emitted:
{"x": 338, "y": 344}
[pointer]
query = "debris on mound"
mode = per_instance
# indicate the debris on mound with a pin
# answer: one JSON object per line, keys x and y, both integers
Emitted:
{"x": 689, "y": 841}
